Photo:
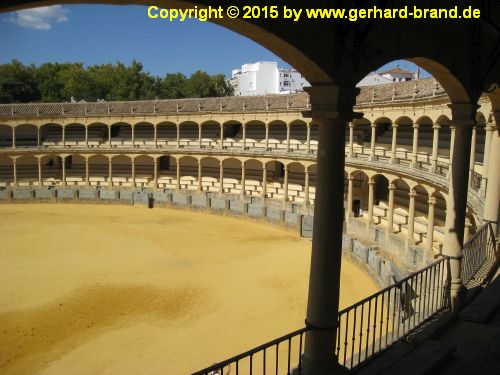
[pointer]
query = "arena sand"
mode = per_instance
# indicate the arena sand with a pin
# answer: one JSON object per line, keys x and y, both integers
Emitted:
{"x": 97, "y": 289}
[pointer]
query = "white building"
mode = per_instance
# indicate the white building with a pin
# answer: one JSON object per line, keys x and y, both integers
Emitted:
{"x": 387, "y": 76}
{"x": 264, "y": 77}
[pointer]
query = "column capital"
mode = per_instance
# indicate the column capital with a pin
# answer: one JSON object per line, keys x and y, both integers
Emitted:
{"x": 415, "y": 125}
{"x": 395, "y": 126}
{"x": 432, "y": 200}
{"x": 436, "y": 126}
{"x": 373, "y": 125}
{"x": 392, "y": 186}
{"x": 371, "y": 181}
{"x": 490, "y": 127}
{"x": 412, "y": 193}
{"x": 463, "y": 114}
{"x": 330, "y": 101}
{"x": 351, "y": 124}
{"x": 221, "y": 163}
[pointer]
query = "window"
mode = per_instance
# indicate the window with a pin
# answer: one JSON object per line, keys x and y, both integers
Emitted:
{"x": 286, "y": 83}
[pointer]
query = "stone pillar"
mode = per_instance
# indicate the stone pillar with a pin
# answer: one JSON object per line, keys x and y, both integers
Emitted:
{"x": 243, "y": 187}
{"x": 109, "y": 135}
{"x": 267, "y": 137}
{"x": 200, "y": 177}
{"x": 372, "y": 142}
{"x": 411, "y": 216}
{"x": 86, "y": 136}
{"x": 331, "y": 108}
{"x": 155, "y": 173}
{"x": 394, "y": 142}
{"x": 244, "y": 136}
{"x": 40, "y": 182}
{"x": 390, "y": 217}
{"x": 430, "y": 221}
{"x": 349, "y": 213}
{"x": 351, "y": 140}
{"x": 288, "y": 130}
{"x": 493, "y": 188}
{"x": 306, "y": 187}
{"x": 490, "y": 130}
{"x": 178, "y": 128}
{"x": 264, "y": 181}
{"x": 472, "y": 160}
{"x": 133, "y": 172}
{"x": 14, "y": 169}
{"x": 63, "y": 170}
{"x": 178, "y": 174}
{"x": 463, "y": 116}
{"x": 308, "y": 137}
{"x": 64, "y": 136}
{"x": 285, "y": 185}
{"x": 371, "y": 188}
{"x": 414, "y": 154}
{"x": 452, "y": 147}
{"x": 221, "y": 178}
{"x": 435, "y": 147}
{"x": 87, "y": 174}
{"x": 38, "y": 136}
{"x": 221, "y": 136}
{"x": 133, "y": 135}
{"x": 155, "y": 135}
{"x": 110, "y": 172}
{"x": 13, "y": 137}
{"x": 199, "y": 135}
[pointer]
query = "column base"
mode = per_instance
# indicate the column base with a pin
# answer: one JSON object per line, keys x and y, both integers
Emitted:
{"x": 310, "y": 367}
{"x": 372, "y": 158}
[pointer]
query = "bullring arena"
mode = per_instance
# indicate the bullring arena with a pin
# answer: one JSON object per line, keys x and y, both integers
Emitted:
{"x": 219, "y": 271}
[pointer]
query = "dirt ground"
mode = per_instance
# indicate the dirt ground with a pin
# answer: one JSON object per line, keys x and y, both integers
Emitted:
{"x": 97, "y": 289}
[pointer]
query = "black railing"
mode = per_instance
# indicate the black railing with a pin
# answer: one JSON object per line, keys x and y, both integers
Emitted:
{"x": 279, "y": 356}
{"x": 478, "y": 250}
{"x": 376, "y": 322}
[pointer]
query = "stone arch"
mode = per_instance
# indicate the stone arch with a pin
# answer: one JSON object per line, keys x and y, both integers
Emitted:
{"x": 210, "y": 132}
{"x": 26, "y": 135}
{"x": 97, "y": 133}
{"x": 166, "y": 132}
{"x": 188, "y": 132}
{"x": 5, "y": 136}
{"x": 255, "y": 133}
{"x": 99, "y": 169}
{"x": 381, "y": 189}
{"x": 75, "y": 169}
{"x": 188, "y": 172}
{"x": 144, "y": 133}
{"x": 51, "y": 134}
{"x": 361, "y": 133}
{"x": 74, "y": 134}
{"x": 277, "y": 133}
{"x": 121, "y": 134}
{"x": 122, "y": 170}
{"x": 27, "y": 169}
{"x": 425, "y": 134}
{"x": 298, "y": 134}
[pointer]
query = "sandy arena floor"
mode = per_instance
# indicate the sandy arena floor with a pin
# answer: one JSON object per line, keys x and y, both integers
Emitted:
{"x": 123, "y": 290}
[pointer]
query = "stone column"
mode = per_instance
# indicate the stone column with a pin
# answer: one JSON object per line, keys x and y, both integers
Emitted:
{"x": 394, "y": 143}
{"x": 372, "y": 142}
{"x": 430, "y": 221}
{"x": 133, "y": 172}
{"x": 490, "y": 129}
{"x": 493, "y": 188}
{"x": 244, "y": 136}
{"x": 472, "y": 160}
{"x": 133, "y": 135}
{"x": 463, "y": 116}
{"x": 38, "y": 136}
{"x": 200, "y": 177}
{"x": 371, "y": 188}
{"x": 285, "y": 185}
{"x": 308, "y": 137}
{"x": 40, "y": 182}
{"x": 435, "y": 147}
{"x": 414, "y": 154}
{"x": 87, "y": 174}
{"x": 411, "y": 216}
{"x": 155, "y": 135}
{"x": 178, "y": 128}
{"x": 86, "y": 136}
{"x": 390, "y": 215}
{"x": 14, "y": 169}
{"x": 306, "y": 187}
{"x": 110, "y": 172}
{"x": 267, "y": 137}
{"x": 331, "y": 108}
{"x": 178, "y": 174}
{"x": 109, "y": 135}
{"x": 221, "y": 178}
{"x": 243, "y": 187}
{"x": 264, "y": 181}
{"x": 13, "y": 137}
{"x": 199, "y": 135}
{"x": 288, "y": 130}
{"x": 351, "y": 140}
{"x": 349, "y": 213}
{"x": 64, "y": 136}
{"x": 63, "y": 170}
{"x": 221, "y": 136}
{"x": 452, "y": 147}
{"x": 155, "y": 173}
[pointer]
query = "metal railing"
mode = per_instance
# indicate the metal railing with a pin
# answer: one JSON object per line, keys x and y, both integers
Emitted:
{"x": 476, "y": 251}
{"x": 278, "y": 356}
{"x": 376, "y": 322}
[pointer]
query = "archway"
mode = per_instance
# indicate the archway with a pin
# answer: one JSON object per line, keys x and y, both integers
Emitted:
{"x": 26, "y": 135}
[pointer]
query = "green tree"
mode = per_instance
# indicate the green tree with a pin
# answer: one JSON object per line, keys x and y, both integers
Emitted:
{"x": 17, "y": 83}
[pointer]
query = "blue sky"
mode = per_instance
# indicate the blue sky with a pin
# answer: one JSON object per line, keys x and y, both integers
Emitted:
{"x": 98, "y": 34}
